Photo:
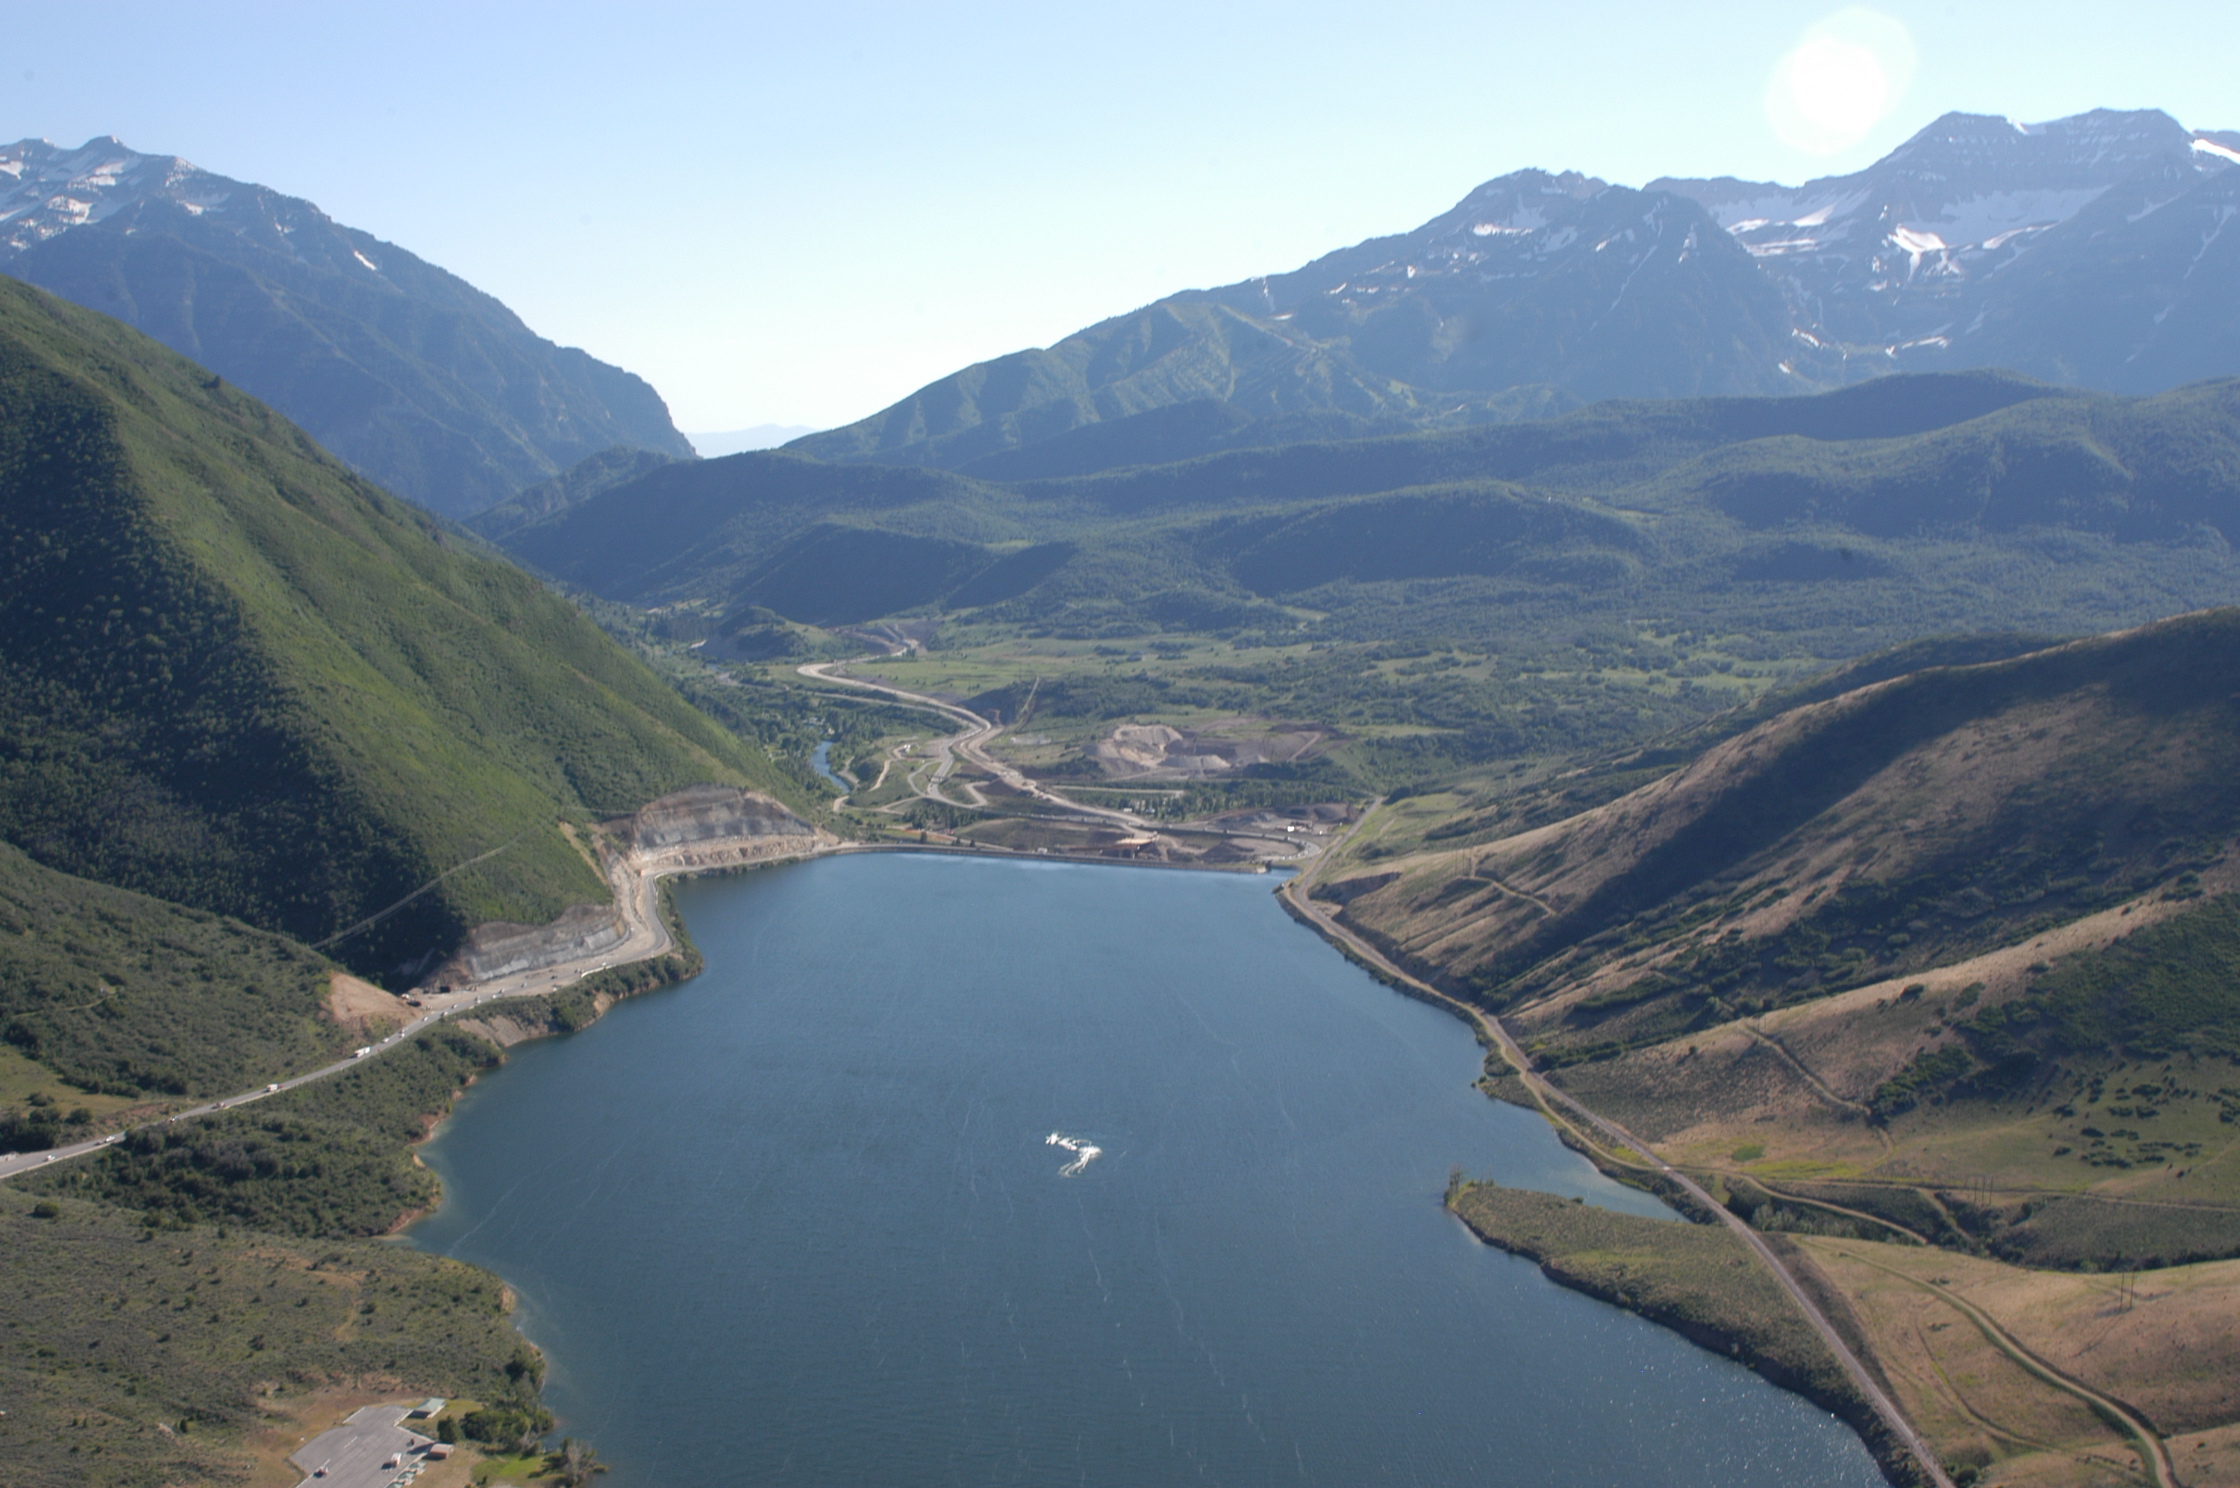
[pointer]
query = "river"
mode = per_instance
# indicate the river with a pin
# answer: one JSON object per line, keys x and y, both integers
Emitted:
{"x": 820, "y": 760}
{"x": 802, "y": 1220}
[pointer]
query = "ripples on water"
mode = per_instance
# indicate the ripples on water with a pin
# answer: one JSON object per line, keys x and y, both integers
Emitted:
{"x": 797, "y": 1222}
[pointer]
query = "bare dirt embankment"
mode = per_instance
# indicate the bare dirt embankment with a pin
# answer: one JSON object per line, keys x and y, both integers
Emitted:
{"x": 360, "y": 1007}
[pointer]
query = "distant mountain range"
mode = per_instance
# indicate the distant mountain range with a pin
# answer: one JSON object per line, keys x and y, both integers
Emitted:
{"x": 412, "y": 376}
{"x": 2088, "y": 251}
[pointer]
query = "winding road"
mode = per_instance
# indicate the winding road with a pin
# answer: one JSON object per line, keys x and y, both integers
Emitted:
{"x": 1295, "y": 894}
{"x": 2152, "y": 1450}
{"x": 637, "y": 897}
{"x": 969, "y": 745}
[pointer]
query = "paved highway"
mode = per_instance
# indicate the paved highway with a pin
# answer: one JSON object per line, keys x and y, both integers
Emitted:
{"x": 1548, "y": 1095}
{"x": 637, "y": 891}
{"x": 971, "y": 745}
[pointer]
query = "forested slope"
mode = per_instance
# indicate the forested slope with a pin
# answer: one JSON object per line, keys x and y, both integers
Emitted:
{"x": 236, "y": 676}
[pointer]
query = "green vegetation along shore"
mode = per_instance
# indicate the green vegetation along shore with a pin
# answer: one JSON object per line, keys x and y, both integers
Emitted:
{"x": 262, "y": 725}
{"x": 1936, "y": 965}
{"x": 198, "y": 1288}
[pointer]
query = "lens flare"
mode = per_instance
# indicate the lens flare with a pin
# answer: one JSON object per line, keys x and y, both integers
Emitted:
{"x": 1843, "y": 77}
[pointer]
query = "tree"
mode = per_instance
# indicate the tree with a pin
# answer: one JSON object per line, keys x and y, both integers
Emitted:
{"x": 579, "y": 1464}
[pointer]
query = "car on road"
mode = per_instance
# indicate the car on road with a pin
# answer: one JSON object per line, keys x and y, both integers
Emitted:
{"x": 272, "y": 1090}
{"x": 362, "y": 1053}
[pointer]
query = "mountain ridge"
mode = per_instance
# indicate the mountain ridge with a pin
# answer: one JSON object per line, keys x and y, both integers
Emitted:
{"x": 411, "y": 375}
{"x": 1969, "y": 246}
{"x": 1858, "y": 485}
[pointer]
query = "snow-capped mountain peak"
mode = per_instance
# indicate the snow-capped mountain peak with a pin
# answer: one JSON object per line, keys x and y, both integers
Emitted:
{"x": 1878, "y": 260}
{"x": 46, "y": 190}
{"x": 409, "y": 373}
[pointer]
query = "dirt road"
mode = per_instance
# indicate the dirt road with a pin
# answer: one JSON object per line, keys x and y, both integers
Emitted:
{"x": 2154, "y": 1453}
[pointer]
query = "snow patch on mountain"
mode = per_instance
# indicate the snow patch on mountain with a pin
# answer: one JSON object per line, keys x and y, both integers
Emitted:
{"x": 54, "y": 190}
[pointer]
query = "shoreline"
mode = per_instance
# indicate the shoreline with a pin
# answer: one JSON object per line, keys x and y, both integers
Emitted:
{"x": 572, "y": 975}
{"x": 1898, "y": 1448}
{"x": 1657, "y": 1300}
{"x": 1891, "y": 1455}
{"x": 620, "y": 977}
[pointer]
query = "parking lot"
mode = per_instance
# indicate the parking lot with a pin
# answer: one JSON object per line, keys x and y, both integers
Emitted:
{"x": 355, "y": 1454}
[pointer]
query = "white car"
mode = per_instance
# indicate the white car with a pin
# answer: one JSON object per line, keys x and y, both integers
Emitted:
{"x": 362, "y": 1053}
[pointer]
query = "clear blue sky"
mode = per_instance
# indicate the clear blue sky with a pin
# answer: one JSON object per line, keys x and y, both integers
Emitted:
{"x": 795, "y": 213}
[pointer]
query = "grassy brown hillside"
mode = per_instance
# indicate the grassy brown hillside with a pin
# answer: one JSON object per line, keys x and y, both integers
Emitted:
{"x": 1888, "y": 830}
{"x": 1951, "y": 959}
{"x": 1943, "y": 921}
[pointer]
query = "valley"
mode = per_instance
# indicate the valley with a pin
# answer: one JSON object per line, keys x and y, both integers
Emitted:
{"x": 1764, "y": 659}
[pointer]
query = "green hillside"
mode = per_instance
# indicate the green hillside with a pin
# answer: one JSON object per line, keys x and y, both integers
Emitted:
{"x": 123, "y": 995}
{"x": 1853, "y": 519}
{"x": 1622, "y": 293}
{"x": 235, "y": 676}
{"x": 579, "y": 482}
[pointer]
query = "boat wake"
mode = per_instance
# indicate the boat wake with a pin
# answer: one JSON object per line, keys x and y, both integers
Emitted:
{"x": 1084, "y": 1152}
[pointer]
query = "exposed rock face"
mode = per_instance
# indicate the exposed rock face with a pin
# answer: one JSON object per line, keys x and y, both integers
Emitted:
{"x": 700, "y": 827}
{"x": 499, "y": 949}
{"x": 707, "y": 814}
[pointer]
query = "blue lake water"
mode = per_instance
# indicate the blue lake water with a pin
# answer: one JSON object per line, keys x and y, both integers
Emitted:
{"x": 799, "y": 1221}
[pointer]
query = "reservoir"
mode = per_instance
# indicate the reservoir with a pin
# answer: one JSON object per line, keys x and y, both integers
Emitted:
{"x": 962, "y": 1172}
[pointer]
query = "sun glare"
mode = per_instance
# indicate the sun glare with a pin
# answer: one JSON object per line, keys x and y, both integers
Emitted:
{"x": 1842, "y": 78}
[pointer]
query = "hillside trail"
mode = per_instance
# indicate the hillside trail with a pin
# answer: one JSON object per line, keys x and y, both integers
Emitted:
{"x": 970, "y": 744}
{"x": 2153, "y": 1452}
{"x": 1804, "y": 1072}
{"x": 1631, "y": 1152}
{"x": 1478, "y": 872}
